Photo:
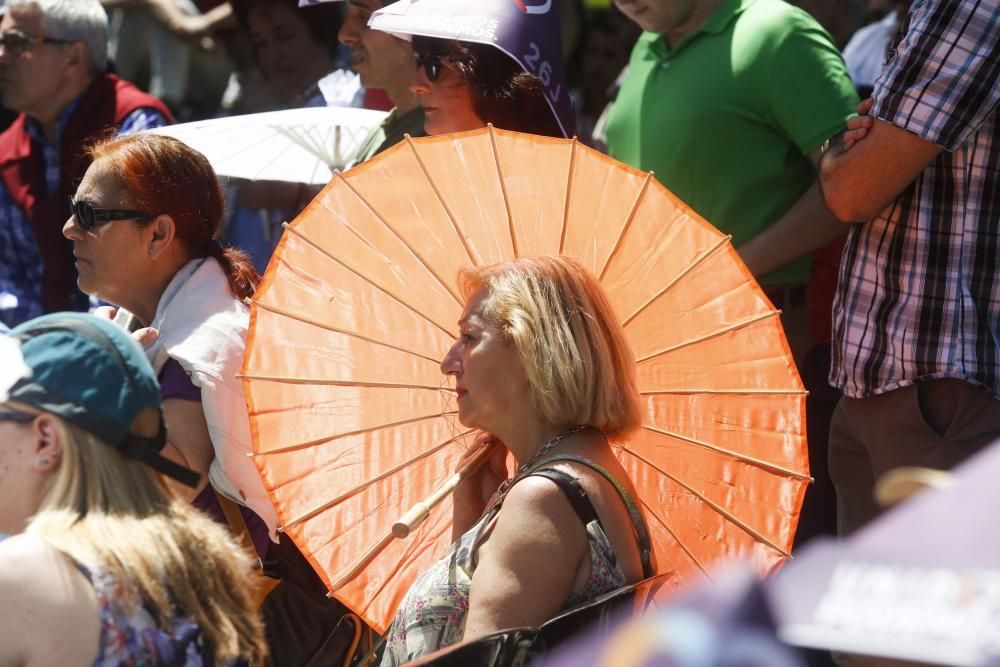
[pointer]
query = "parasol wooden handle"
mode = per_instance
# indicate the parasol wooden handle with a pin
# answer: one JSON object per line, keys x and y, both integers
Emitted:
{"x": 413, "y": 518}
{"x": 409, "y": 521}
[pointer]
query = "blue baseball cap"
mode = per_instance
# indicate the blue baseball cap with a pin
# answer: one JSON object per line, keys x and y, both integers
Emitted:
{"x": 91, "y": 373}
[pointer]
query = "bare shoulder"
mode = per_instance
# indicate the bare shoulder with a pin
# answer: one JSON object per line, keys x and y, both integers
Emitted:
{"x": 24, "y": 561}
{"x": 537, "y": 496}
{"x": 537, "y": 502}
{"x": 614, "y": 514}
{"x": 48, "y": 611}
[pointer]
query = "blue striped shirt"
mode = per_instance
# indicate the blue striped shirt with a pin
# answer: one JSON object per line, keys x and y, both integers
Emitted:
{"x": 919, "y": 287}
{"x": 20, "y": 261}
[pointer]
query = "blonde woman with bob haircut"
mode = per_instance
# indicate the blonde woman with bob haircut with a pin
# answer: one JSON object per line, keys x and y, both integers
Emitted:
{"x": 542, "y": 369}
{"x": 105, "y": 566}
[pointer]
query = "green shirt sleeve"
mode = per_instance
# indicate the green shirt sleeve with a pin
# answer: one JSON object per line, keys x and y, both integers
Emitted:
{"x": 810, "y": 93}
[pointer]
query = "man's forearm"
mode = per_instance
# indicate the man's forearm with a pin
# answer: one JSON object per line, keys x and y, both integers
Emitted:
{"x": 836, "y": 182}
{"x": 178, "y": 22}
{"x": 807, "y": 226}
{"x": 859, "y": 182}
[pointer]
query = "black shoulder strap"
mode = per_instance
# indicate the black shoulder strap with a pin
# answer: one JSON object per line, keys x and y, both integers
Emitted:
{"x": 574, "y": 492}
{"x": 638, "y": 523}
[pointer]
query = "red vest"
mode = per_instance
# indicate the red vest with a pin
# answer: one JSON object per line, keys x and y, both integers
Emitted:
{"x": 104, "y": 105}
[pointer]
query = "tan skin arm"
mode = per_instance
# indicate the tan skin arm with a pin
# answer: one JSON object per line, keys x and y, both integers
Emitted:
{"x": 860, "y": 181}
{"x": 523, "y": 577}
{"x": 807, "y": 226}
{"x": 48, "y": 611}
{"x": 179, "y": 23}
{"x": 188, "y": 443}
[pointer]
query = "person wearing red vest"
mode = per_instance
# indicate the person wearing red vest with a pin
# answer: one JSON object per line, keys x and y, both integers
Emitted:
{"x": 53, "y": 62}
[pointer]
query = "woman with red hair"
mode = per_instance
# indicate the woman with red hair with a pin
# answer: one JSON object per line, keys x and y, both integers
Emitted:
{"x": 143, "y": 231}
{"x": 144, "y": 225}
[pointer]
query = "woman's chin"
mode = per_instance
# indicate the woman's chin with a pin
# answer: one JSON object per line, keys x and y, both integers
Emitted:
{"x": 86, "y": 286}
{"x": 468, "y": 421}
{"x": 434, "y": 125}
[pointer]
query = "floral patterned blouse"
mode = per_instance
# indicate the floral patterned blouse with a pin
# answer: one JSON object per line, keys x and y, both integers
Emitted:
{"x": 432, "y": 615}
{"x": 131, "y": 637}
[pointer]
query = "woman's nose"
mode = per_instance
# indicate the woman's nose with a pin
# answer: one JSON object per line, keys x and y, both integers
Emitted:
{"x": 419, "y": 83}
{"x": 451, "y": 365}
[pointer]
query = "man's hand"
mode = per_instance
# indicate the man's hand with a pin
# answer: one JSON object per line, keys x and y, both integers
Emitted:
{"x": 871, "y": 164}
{"x": 857, "y": 129}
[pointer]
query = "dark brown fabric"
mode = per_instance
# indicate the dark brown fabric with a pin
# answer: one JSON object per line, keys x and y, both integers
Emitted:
{"x": 303, "y": 627}
{"x": 932, "y": 424}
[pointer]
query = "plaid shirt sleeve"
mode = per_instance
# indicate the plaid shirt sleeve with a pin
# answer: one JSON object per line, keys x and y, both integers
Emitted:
{"x": 940, "y": 83}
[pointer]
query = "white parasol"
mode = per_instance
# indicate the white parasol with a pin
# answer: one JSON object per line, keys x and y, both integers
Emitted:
{"x": 294, "y": 145}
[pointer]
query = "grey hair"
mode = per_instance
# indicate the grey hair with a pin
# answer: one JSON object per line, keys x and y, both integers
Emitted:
{"x": 79, "y": 20}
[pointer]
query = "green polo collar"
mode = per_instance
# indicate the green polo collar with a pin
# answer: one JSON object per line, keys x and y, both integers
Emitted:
{"x": 715, "y": 24}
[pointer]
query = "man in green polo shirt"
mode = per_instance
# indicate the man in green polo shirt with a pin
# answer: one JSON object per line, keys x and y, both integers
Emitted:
{"x": 729, "y": 102}
{"x": 382, "y": 61}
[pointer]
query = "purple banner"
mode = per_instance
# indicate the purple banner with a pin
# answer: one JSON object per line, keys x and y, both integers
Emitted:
{"x": 921, "y": 582}
{"x": 528, "y": 31}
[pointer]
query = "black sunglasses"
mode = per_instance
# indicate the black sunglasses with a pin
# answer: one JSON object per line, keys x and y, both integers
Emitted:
{"x": 432, "y": 64}
{"x": 89, "y": 217}
{"x": 16, "y": 41}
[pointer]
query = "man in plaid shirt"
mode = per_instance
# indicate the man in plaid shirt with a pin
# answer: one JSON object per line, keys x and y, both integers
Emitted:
{"x": 916, "y": 347}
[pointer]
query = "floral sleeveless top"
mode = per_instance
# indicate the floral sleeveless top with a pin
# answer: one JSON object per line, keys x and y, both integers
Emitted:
{"x": 131, "y": 637}
{"x": 432, "y": 615}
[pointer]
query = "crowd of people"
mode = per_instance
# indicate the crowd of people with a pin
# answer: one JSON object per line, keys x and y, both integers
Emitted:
{"x": 857, "y": 176}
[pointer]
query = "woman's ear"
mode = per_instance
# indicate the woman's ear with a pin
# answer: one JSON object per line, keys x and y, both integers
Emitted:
{"x": 48, "y": 443}
{"x": 163, "y": 232}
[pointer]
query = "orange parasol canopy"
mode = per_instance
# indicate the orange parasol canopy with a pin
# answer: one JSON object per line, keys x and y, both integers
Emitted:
{"x": 351, "y": 422}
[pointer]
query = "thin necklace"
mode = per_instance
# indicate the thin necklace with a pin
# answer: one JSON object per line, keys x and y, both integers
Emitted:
{"x": 542, "y": 451}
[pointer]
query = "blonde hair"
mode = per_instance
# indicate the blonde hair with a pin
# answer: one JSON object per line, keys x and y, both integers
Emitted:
{"x": 555, "y": 314}
{"x": 114, "y": 514}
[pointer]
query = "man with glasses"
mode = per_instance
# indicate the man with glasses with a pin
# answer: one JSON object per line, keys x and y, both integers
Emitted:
{"x": 53, "y": 72}
{"x": 383, "y": 61}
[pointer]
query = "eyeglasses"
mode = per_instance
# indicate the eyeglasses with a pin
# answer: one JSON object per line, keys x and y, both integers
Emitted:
{"x": 432, "y": 64}
{"x": 12, "y": 416}
{"x": 17, "y": 42}
{"x": 89, "y": 217}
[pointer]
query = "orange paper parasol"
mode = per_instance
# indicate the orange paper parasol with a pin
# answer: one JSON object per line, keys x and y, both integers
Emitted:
{"x": 351, "y": 427}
